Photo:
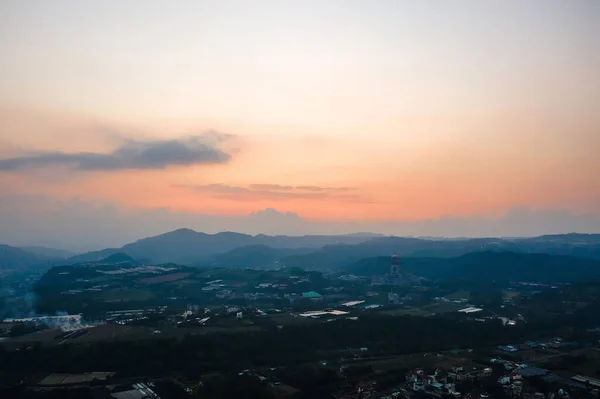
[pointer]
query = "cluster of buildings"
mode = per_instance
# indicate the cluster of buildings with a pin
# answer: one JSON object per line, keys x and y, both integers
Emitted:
{"x": 66, "y": 322}
{"x": 516, "y": 382}
{"x": 102, "y": 385}
{"x": 554, "y": 343}
{"x": 436, "y": 384}
{"x": 138, "y": 390}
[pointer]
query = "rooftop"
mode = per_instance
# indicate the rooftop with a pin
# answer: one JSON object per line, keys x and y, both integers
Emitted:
{"x": 322, "y": 312}
{"x": 532, "y": 372}
{"x": 311, "y": 294}
{"x": 595, "y": 382}
{"x": 470, "y": 309}
{"x": 352, "y": 303}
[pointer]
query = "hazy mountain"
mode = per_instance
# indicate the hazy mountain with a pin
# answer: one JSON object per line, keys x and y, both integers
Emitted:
{"x": 254, "y": 256}
{"x": 585, "y": 245}
{"x": 12, "y": 258}
{"x": 118, "y": 258}
{"x": 188, "y": 246}
{"x": 49, "y": 252}
{"x": 339, "y": 256}
{"x": 571, "y": 238}
{"x": 311, "y": 241}
{"x": 489, "y": 266}
{"x": 185, "y": 246}
{"x": 93, "y": 256}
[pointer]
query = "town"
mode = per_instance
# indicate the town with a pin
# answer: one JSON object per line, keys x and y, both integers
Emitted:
{"x": 475, "y": 341}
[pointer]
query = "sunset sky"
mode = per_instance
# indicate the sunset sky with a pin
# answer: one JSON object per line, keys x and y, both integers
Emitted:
{"x": 347, "y": 113}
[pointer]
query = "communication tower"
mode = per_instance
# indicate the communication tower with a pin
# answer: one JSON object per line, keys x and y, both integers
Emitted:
{"x": 395, "y": 266}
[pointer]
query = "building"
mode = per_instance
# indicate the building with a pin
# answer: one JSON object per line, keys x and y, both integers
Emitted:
{"x": 140, "y": 391}
{"x": 595, "y": 382}
{"x": 508, "y": 348}
{"x": 532, "y": 371}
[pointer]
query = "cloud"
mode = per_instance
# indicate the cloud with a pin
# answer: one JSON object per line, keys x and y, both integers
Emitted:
{"x": 218, "y": 188}
{"x": 133, "y": 154}
{"x": 270, "y": 187}
{"x": 310, "y": 188}
{"x": 274, "y": 191}
{"x": 274, "y": 213}
{"x": 318, "y": 188}
{"x": 273, "y": 221}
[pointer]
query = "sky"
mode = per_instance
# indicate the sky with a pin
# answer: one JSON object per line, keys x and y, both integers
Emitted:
{"x": 296, "y": 117}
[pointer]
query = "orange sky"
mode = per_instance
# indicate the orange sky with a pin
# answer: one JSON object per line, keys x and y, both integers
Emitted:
{"x": 366, "y": 112}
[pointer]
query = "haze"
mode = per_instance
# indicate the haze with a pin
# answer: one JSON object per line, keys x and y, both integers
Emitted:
{"x": 119, "y": 120}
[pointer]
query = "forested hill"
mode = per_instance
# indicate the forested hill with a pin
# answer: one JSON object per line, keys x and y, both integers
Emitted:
{"x": 489, "y": 266}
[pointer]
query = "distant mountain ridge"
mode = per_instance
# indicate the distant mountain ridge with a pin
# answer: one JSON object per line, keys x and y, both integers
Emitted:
{"x": 230, "y": 249}
{"x": 49, "y": 252}
{"x": 339, "y": 256}
{"x": 188, "y": 246}
{"x": 17, "y": 259}
{"x": 253, "y": 256}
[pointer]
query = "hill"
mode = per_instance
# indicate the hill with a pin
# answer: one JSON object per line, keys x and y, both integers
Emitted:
{"x": 119, "y": 258}
{"x": 125, "y": 265}
{"x": 115, "y": 283}
{"x": 12, "y": 258}
{"x": 586, "y": 245}
{"x": 490, "y": 266}
{"x": 49, "y": 252}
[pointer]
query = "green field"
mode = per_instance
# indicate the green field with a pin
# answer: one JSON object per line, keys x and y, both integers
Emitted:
{"x": 510, "y": 294}
{"x": 407, "y": 311}
{"x": 583, "y": 361}
{"x": 419, "y": 360}
{"x": 286, "y": 319}
{"x": 455, "y": 296}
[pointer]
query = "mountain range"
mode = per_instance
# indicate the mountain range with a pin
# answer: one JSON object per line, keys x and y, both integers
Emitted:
{"x": 229, "y": 249}
{"x": 187, "y": 246}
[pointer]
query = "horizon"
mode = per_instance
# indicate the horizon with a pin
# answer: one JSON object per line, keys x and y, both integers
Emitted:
{"x": 124, "y": 120}
{"x": 79, "y": 226}
{"x": 365, "y": 234}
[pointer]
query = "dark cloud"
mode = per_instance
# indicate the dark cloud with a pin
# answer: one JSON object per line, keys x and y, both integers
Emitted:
{"x": 274, "y": 191}
{"x": 157, "y": 154}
